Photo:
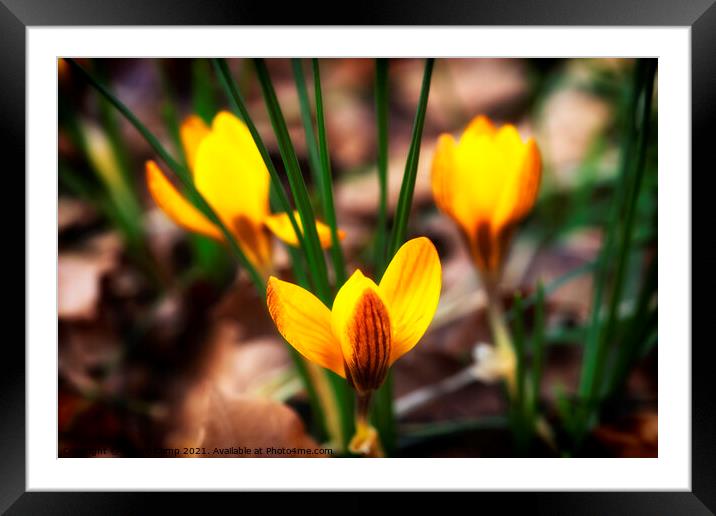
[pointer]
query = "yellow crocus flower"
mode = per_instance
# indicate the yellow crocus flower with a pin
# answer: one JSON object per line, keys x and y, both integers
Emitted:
{"x": 369, "y": 326}
{"x": 230, "y": 173}
{"x": 486, "y": 182}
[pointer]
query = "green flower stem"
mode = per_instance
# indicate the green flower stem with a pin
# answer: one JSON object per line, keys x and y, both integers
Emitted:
{"x": 366, "y": 440}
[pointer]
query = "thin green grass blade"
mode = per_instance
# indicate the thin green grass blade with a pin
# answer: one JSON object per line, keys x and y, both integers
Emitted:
{"x": 520, "y": 345}
{"x": 314, "y": 160}
{"x": 337, "y": 385}
{"x": 170, "y": 116}
{"x": 634, "y": 189}
{"x": 239, "y": 107}
{"x": 381, "y": 115}
{"x": 601, "y": 274}
{"x": 638, "y": 329}
{"x": 181, "y": 172}
{"x": 407, "y": 188}
{"x": 298, "y": 259}
{"x": 599, "y": 342}
{"x": 326, "y": 182}
{"x": 111, "y": 126}
{"x": 383, "y": 413}
{"x": 314, "y": 253}
{"x": 203, "y": 97}
{"x": 531, "y": 300}
{"x": 538, "y": 342}
{"x": 419, "y": 433}
{"x": 301, "y": 198}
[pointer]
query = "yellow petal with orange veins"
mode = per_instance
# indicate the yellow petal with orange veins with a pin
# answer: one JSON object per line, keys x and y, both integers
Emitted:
{"x": 411, "y": 289}
{"x": 230, "y": 173}
{"x": 280, "y": 225}
{"x": 344, "y": 307}
{"x": 369, "y": 334}
{"x": 305, "y": 323}
{"x": 192, "y": 132}
{"x": 175, "y": 205}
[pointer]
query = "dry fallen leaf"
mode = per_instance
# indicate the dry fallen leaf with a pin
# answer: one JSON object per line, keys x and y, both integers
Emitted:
{"x": 228, "y": 426}
{"x": 238, "y": 366}
{"x": 80, "y": 274}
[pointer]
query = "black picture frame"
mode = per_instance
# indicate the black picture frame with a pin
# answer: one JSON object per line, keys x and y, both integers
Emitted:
{"x": 700, "y": 15}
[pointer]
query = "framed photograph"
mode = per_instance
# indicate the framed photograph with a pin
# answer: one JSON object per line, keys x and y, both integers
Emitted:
{"x": 423, "y": 249}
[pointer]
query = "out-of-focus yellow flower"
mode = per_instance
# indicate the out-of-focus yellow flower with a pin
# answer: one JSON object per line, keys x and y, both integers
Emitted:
{"x": 370, "y": 326}
{"x": 486, "y": 182}
{"x": 230, "y": 173}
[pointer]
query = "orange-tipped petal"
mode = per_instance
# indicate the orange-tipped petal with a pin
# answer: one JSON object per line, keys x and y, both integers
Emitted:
{"x": 305, "y": 323}
{"x": 442, "y": 174}
{"x": 411, "y": 289}
{"x": 280, "y": 225}
{"x": 175, "y": 206}
{"x": 478, "y": 127}
{"x": 521, "y": 187}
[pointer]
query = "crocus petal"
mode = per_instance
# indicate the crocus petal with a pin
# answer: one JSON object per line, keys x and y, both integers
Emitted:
{"x": 305, "y": 323}
{"x": 442, "y": 175}
{"x": 370, "y": 334}
{"x": 478, "y": 127}
{"x": 523, "y": 182}
{"x": 361, "y": 323}
{"x": 254, "y": 241}
{"x": 280, "y": 225}
{"x": 411, "y": 289}
{"x": 478, "y": 169}
{"x": 175, "y": 206}
{"x": 230, "y": 173}
{"x": 192, "y": 132}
